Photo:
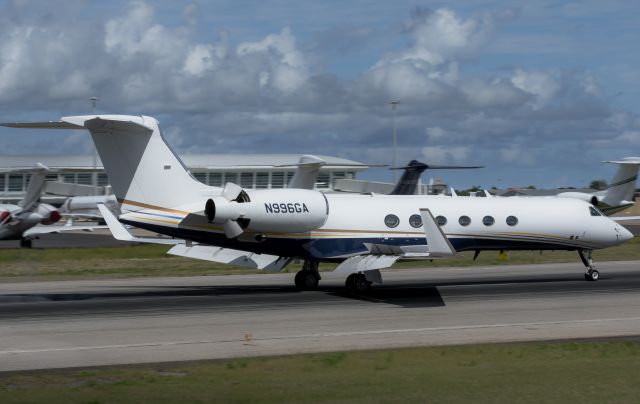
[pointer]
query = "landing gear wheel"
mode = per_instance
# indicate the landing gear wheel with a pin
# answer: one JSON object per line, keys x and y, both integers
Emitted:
{"x": 592, "y": 275}
{"x": 306, "y": 280}
{"x": 26, "y": 243}
{"x": 357, "y": 283}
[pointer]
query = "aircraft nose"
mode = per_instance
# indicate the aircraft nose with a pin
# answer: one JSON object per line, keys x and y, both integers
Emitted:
{"x": 623, "y": 233}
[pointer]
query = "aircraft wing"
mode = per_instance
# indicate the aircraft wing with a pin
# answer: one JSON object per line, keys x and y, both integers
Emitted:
{"x": 621, "y": 219}
{"x": 181, "y": 248}
{"x": 384, "y": 256}
{"x": 270, "y": 263}
{"x": 39, "y": 230}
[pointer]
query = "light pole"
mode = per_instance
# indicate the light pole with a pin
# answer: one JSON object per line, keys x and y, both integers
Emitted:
{"x": 94, "y": 179}
{"x": 393, "y": 104}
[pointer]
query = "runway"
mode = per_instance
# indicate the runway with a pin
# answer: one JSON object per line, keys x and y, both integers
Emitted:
{"x": 99, "y": 238}
{"x": 102, "y": 322}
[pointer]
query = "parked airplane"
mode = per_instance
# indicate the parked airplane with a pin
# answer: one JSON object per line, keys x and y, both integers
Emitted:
{"x": 408, "y": 182}
{"x": 18, "y": 222}
{"x": 364, "y": 233}
{"x": 619, "y": 194}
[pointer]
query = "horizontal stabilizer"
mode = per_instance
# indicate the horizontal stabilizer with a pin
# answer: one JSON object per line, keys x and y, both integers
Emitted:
{"x": 121, "y": 233}
{"x": 42, "y": 125}
{"x": 47, "y": 229}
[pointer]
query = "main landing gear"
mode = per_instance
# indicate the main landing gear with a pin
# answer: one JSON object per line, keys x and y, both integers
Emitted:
{"x": 357, "y": 283}
{"x": 26, "y": 243}
{"x": 591, "y": 274}
{"x": 309, "y": 277}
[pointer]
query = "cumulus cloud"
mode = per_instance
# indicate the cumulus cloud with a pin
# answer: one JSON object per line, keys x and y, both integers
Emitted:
{"x": 224, "y": 92}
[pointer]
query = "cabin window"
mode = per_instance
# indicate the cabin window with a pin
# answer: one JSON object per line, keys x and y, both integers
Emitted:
{"x": 391, "y": 221}
{"x": 488, "y": 220}
{"x": 512, "y": 220}
{"x": 594, "y": 211}
{"x": 464, "y": 221}
{"x": 415, "y": 221}
{"x": 441, "y": 220}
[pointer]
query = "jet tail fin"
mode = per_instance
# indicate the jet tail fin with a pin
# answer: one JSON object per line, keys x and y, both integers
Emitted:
{"x": 408, "y": 182}
{"x": 143, "y": 170}
{"x": 34, "y": 190}
{"x": 622, "y": 187}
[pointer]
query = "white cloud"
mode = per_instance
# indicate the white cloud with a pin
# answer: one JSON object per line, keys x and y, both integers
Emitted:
{"x": 441, "y": 155}
{"x": 273, "y": 93}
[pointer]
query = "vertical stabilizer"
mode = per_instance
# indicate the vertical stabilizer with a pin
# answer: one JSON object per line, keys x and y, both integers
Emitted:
{"x": 623, "y": 185}
{"x": 142, "y": 169}
{"x": 306, "y": 174}
{"x": 34, "y": 191}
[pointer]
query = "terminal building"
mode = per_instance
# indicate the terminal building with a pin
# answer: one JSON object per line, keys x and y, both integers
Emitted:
{"x": 250, "y": 171}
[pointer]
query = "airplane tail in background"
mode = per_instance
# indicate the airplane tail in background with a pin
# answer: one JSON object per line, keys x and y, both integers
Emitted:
{"x": 623, "y": 185}
{"x": 34, "y": 190}
{"x": 408, "y": 182}
{"x": 306, "y": 173}
{"x": 142, "y": 169}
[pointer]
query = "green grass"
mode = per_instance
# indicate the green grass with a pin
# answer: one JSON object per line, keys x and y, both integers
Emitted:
{"x": 567, "y": 372}
{"x": 152, "y": 260}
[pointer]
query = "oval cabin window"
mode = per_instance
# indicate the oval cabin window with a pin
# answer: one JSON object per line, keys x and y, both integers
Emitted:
{"x": 415, "y": 221}
{"x": 512, "y": 220}
{"x": 391, "y": 221}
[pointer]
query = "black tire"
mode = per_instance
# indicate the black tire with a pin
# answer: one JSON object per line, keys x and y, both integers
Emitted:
{"x": 350, "y": 283}
{"x": 357, "y": 283}
{"x": 361, "y": 284}
{"x": 594, "y": 275}
{"x": 306, "y": 280}
{"x": 26, "y": 243}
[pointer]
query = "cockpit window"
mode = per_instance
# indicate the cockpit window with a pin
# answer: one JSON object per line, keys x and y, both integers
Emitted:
{"x": 594, "y": 211}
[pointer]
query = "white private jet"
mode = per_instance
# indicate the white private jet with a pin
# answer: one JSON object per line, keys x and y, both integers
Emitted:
{"x": 20, "y": 222}
{"x": 364, "y": 233}
{"x": 619, "y": 194}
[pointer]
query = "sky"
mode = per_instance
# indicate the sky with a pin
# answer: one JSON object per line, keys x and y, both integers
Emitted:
{"x": 538, "y": 92}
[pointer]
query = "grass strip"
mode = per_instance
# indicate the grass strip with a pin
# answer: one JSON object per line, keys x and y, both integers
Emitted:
{"x": 548, "y": 372}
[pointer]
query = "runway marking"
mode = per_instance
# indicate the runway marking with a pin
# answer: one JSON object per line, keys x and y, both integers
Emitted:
{"x": 317, "y": 335}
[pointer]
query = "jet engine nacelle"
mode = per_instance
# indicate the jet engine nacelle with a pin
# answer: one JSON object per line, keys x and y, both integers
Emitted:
{"x": 273, "y": 210}
{"x": 5, "y": 217}
{"x": 48, "y": 214}
{"x": 592, "y": 199}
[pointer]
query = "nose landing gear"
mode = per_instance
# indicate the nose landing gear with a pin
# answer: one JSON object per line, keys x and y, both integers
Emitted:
{"x": 591, "y": 274}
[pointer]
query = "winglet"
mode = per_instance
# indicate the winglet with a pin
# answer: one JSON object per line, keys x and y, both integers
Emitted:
{"x": 437, "y": 242}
